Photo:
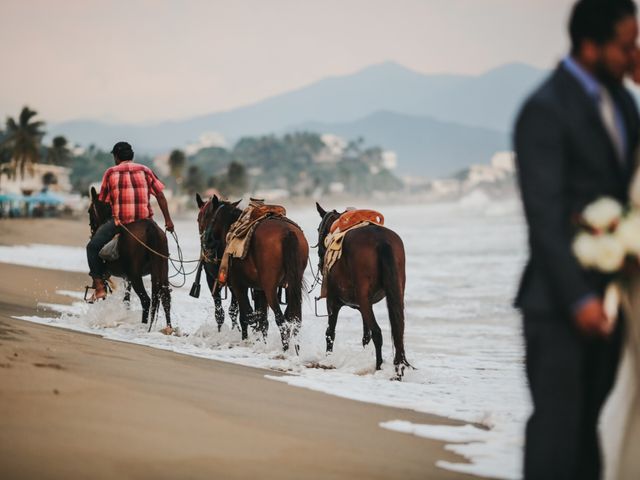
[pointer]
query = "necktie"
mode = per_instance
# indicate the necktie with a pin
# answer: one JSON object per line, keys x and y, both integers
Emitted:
{"x": 608, "y": 114}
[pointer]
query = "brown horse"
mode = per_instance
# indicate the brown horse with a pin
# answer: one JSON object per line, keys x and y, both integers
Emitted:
{"x": 210, "y": 258}
{"x": 277, "y": 257}
{"x": 371, "y": 267}
{"x": 135, "y": 261}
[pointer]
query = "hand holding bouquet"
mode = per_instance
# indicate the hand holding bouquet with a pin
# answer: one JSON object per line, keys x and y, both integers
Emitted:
{"x": 609, "y": 242}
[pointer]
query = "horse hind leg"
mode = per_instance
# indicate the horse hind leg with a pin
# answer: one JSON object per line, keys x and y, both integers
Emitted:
{"x": 155, "y": 300}
{"x": 330, "y": 335}
{"x": 234, "y": 311}
{"x": 127, "y": 294}
{"x": 366, "y": 334}
{"x": 369, "y": 319}
{"x": 245, "y": 310}
{"x": 261, "y": 313}
{"x": 145, "y": 301}
{"x": 283, "y": 325}
{"x": 165, "y": 297}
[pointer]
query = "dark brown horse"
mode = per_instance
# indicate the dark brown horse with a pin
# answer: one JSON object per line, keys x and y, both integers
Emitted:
{"x": 135, "y": 261}
{"x": 371, "y": 267}
{"x": 277, "y": 257}
{"x": 210, "y": 258}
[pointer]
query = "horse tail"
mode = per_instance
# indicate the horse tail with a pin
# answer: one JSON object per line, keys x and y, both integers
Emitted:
{"x": 391, "y": 284}
{"x": 293, "y": 275}
{"x": 157, "y": 240}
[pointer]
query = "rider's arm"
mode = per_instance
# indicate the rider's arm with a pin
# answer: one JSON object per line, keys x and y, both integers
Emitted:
{"x": 162, "y": 202}
{"x": 156, "y": 187}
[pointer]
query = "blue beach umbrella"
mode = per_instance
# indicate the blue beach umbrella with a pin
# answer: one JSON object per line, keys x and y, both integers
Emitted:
{"x": 45, "y": 198}
{"x": 10, "y": 197}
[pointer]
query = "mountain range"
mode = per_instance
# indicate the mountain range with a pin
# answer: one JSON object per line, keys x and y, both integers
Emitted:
{"x": 436, "y": 123}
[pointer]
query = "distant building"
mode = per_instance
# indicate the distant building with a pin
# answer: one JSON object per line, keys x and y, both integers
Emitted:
{"x": 36, "y": 177}
{"x": 272, "y": 194}
{"x": 389, "y": 160}
{"x": 334, "y": 147}
{"x": 505, "y": 161}
{"x": 445, "y": 187}
{"x": 206, "y": 140}
{"x": 336, "y": 187}
{"x": 496, "y": 179}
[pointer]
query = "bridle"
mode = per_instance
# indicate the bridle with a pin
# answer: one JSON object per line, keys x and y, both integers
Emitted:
{"x": 211, "y": 249}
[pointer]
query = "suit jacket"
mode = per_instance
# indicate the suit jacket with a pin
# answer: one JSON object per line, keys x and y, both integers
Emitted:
{"x": 565, "y": 160}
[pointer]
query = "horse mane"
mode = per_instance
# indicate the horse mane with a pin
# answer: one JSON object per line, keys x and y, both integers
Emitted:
{"x": 323, "y": 231}
{"x": 99, "y": 213}
{"x": 228, "y": 215}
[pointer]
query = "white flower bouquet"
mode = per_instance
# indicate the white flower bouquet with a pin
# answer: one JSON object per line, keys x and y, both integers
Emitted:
{"x": 609, "y": 242}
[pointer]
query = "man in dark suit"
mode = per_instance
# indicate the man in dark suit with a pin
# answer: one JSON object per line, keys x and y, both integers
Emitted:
{"x": 575, "y": 141}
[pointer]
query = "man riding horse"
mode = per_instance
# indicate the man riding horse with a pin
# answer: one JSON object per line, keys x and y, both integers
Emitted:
{"x": 127, "y": 188}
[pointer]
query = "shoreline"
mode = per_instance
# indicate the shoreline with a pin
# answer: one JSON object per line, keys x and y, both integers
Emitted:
{"x": 43, "y": 430}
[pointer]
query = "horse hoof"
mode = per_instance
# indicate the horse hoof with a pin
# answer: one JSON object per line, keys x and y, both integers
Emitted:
{"x": 399, "y": 372}
{"x": 168, "y": 330}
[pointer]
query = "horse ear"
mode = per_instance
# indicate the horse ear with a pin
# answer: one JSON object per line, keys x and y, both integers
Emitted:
{"x": 321, "y": 210}
{"x": 235, "y": 204}
{"x": 215, "y": 200}
{"x": 199, "y": 200}
{"x": 94, "y": 194}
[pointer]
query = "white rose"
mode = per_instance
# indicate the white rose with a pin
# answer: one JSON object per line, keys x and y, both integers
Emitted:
{"x": 585, "y": 248}
{"x": 610, "y": 254}
{"x": 628, "y": 233}
{"x": 602, "y": 213}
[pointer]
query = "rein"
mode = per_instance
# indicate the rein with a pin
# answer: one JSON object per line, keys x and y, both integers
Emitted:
{"x": 176, "y": 263}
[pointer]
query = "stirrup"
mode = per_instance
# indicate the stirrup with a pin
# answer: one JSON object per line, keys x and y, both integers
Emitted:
{"x": 93, "y": 298}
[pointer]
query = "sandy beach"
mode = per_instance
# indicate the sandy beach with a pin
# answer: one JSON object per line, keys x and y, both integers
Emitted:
{"x": 79, "y": 406}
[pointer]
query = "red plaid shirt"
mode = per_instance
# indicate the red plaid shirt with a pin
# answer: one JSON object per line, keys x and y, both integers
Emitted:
{"x": 127, "y": 187}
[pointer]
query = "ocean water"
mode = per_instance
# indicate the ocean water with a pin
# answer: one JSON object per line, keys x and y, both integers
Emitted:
{"x": 462, "y": 335}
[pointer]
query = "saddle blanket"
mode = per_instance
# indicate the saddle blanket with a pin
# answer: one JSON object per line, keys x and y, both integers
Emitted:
{"x": 240, "y": 234}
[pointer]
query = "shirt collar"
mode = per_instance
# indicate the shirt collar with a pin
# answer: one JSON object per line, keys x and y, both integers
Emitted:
{"x": 588, "y": 81}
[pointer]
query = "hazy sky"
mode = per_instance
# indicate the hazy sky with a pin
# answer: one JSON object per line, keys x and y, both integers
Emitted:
{"x": 151, "y": 60}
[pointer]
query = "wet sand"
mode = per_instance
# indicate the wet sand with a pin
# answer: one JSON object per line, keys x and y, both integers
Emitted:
{"x": 79, "y": 406}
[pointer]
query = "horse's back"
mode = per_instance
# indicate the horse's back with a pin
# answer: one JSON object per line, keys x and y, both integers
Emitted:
{"x": 137, "y": 241}
{"x": 270, "y": 233}
{"x": 366, "y": 241}
{"x": 363, "y": 251}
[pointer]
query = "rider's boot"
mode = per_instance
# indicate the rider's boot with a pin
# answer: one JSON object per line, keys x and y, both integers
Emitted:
{"x": 100, "y": 292}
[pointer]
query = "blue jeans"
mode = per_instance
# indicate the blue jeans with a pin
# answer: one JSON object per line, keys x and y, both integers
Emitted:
{"x": 106, "y": 231}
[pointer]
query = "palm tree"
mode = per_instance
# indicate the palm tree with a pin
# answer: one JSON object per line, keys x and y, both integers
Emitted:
{"x": 177, "y": 160}
{"x": 5, "y": 155}
{"x": 58, "y": 153}
{"x": 23, "y": 139}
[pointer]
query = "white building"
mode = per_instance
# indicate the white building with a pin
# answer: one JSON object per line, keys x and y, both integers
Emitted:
{"x": 334, "y": 147}
{"x": 34, "y": 180}
{"x": 389, "y": 160}
{"x": 504, "y": 161}
{"x": 206, "y": 140}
